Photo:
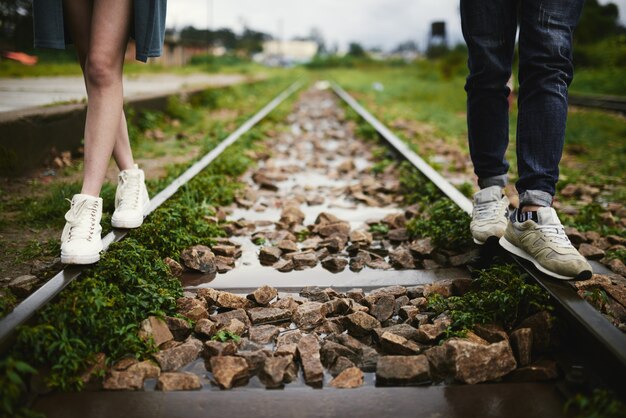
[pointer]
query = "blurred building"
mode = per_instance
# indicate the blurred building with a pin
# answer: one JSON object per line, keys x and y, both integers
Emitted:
{"x": 280, "y": 53}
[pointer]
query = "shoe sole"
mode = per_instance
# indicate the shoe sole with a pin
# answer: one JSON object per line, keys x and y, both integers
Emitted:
{"x": 134, "y": 223}
{"x": 504, "y": 243}
{"x": 80, "y": 259}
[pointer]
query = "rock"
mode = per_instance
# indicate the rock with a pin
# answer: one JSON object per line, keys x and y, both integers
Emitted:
{"x": 338, "y": 306}
{"x": 178, "y": 381}
{"x": 617, "y": 266}
{"x": 401, "y": 259}
{"x": 309, "y": 315}
{"x": 590, "y": 252}
{"x": 147, "y": 368}
{"x": 254, "y": 358}
{"x": 440, "y": 362}
{"x": 309, "y": 353}
{"x": 287, "y": 246}
{"x": 176, "y": 357}
{"x": 378, "y": 264}
{"x": 334, "y": 264}
{"x": 224, "y": 264}
{"x": 398, "y": 235}
{"x": 155, "y": 328}
{"x": 229, "y": 251}
{"x": 23, "y": 285}
{"x": 223, "y": 319}
{"x": 402, "y": 370}
{"x": 286, "y": 350}
{"x": 522, "y": 343}
{"x": 539, "y": 371}
{"x": 288, "y": 303}
{"x": 349, "y": 378}
{"x": 341, "y": 229}
{"x": 123, "y": 380}
{"x": 430, "y": 333}
{"x": 315, "y": 294}
{"x": 360, "y": 237}
{"x": 304, "y": 260}
{"x": 293, "y": 214}
{"x": 267, "y": 315}
{"x": 333, "y": 244}
{"x": 403, "y": 330}
{"x": 273, "y": 372}
{"x": 414, "y": 292}
{"x": 236, "y": 327}
{"x": 359, "y": 262}
{"x": 264, "y": 334}
{"x": 474, "y": 363}
{"x": 220, "y": 348}
{"x": 422, "y": 248}
{"x": 199, "y": 258}
{"x": 383, "y": 307}
{"x": 95, "y": 366}
{"x": 541, "y": 326}
{"x": 395, "y": 344}
{"x": 574, "y": 236}
{"x": 229, "y": 371}
{"x": 395, "y": 291}
{"x": 326, "y": 218}
{"x": 192, "y": 308}
{"x": 205, "y": 327}
{"x": 399, "y": 303}
{"x": 368, "y": 355}
{"x": 412, "y": 211}
{"x": 284, "y": 266}
{"x": 355, "y": 294}
{"x": 289, "y": 337}
{"x": 175, "y": 268}
{"x": 461, "y": 260}
{"x": 361, "y": 324}
{"x": 441, "y": 287}
{"x": 492, "y": 333}
{"x": 331, "y": 351}
{"x": 419, "y": 303}
{"x": 269, "y": 255}
{"x": 231, "y": 301}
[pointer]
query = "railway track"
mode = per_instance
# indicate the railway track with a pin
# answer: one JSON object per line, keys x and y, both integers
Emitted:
{"x": 611, "y": 103}
{"x": 601, "y": 351}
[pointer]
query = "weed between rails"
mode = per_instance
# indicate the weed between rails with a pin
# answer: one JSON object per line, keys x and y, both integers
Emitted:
{"x": 500, "y": 295}
{"x": 102, "y": 310}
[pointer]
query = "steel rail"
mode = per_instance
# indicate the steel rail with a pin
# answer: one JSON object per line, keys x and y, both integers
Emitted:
{"x": 27, "y": 308}
{"x": 597, "y": 336}
{"x": 611, "y": 103}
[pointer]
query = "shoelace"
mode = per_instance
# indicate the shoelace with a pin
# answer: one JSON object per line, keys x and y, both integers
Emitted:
{"x": 82, "y": 220}
{"x": 130, "y": 188}
{"x": 487, "y": 210}
{"x": 556, "y": 234}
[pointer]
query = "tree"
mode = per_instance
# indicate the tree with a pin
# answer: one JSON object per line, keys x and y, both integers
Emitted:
{"x": 16, "y": 24}
{"x": 597, "y": 22}
{"x": 356, "y": 50}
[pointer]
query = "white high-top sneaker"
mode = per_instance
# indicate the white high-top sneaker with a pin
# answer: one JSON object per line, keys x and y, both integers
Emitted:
{"x": 131, "y": 199}
{"x": 489, "y": 217}
{"x": 81, "y": 242}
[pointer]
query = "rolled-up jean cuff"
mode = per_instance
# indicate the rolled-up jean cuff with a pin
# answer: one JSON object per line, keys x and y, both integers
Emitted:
{"x": 501, "y": 180}
{"x": 536, "y": 198}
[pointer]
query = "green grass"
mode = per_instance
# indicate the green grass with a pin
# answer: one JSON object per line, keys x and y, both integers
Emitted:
{"x": 500, "y": 295}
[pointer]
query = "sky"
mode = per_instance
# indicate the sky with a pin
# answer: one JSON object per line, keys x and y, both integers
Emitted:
{"x": 373, "y": 23}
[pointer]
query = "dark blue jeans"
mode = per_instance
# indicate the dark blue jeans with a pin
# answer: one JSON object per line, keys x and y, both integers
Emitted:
{"x": 545, "y": 73}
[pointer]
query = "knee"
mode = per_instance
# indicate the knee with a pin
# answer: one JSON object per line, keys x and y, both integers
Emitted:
{"x": 100, "y": 71}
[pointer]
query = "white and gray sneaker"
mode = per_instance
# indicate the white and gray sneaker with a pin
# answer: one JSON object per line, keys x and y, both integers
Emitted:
{"x": 131, "y": 199}
{"x": 490, "y": 214}
{"x": 540, "y": 238}
{"x": 81, "y": 242}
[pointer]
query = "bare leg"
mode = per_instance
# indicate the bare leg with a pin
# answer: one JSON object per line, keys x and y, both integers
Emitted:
{"x": 102, "y": 63}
